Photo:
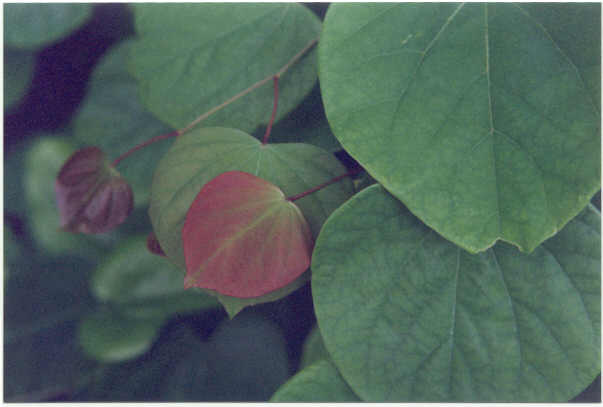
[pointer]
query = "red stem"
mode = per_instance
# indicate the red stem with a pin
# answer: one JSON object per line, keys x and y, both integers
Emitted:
{"x": 326, "y": 184}
{"x": 143, "y": 145}
{"x": 269, "y": 128}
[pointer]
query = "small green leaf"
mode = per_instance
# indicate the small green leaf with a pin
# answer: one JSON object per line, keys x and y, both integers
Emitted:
{"x": 438, "y": 324}
{"x": 112, "y": 118}
{"x": 189, "y": 58}
{"x": 109, "y": 336}
{"x": 483, "y": 119}
{"x": 32, "y": 26}
{"x": 144, "y": 285}
{"x": 18, "y": 72}
{"x": 317, "y": 383}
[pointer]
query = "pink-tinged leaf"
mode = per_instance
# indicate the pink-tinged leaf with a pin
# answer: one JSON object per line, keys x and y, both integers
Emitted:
{"x": 243, "y": 238}
{"x": 91, "y": 196}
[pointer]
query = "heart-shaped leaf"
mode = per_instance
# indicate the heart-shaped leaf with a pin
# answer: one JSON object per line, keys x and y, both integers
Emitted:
{"x": 91, "y": 196}
{"x": 213, "y": 51}
{"x": 408, "y": 316}
{"x": 243, "y": 238}
{"x": 483, "y": 119}
{"x": 201, "y": 155}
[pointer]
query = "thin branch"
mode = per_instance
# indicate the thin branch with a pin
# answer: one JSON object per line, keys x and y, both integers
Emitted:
{"x": 274, "y": 107}
{"x": 326, "y": 184}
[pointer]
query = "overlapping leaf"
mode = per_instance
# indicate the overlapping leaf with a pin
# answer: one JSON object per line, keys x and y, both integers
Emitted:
{"x": 18, "y": 72}
{"x": 112, "y": 118}
{"x": 483, "y": 119}
{"x": 408, "y": 316}
{"x": 243, "y": 238}
{"x": 197, "y": 157}
{"x": 213, "y": 51}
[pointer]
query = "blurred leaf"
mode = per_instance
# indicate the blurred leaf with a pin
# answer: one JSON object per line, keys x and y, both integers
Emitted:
{"x": 244, "y": 360}
{"x": 319, "y": 382}
{"x": 43, "y": 301}
{"x": 313, "y": 349}
{"x": 43, "y": 162}
{"x": 112, "y": 118}
{"x": 18, "y": 73}
{"x": 109, "y": 336}
{"x": 12, "y": 251}
{"x": 213, "y": 51}
{"x": 35, "y": 25}
{"x": 144, "y": 285}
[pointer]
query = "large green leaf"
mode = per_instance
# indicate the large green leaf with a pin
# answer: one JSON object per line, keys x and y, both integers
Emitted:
{"x": 144, "y": 285}
{"x": 18, "y": 72}
{"x": 189, "y": 58}
{"x": 408, "y": 316}
{"x": 112, "y": 118}
{"x": 482, "y": 118}
{"x": 319, "y": 382}
{"x": 35, "y": 25}
{"x": 197, "y": 157}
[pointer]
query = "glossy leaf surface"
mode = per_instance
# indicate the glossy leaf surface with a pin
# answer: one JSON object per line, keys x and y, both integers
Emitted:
{"x": 213, "y": 51}
{"x": 497, "y": 326}
{"x": 243, "y": 238}
{"x": 113, "y": 118}
{"x": 317, "y": 383}
{"x": 483, "y": 119}
{"x": 35, "y": 25}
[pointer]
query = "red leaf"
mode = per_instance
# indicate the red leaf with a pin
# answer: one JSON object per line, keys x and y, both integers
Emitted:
{"x": 153, "y": 245}
{"x": 243, "y": 238}
{"x": 91, "y": 196}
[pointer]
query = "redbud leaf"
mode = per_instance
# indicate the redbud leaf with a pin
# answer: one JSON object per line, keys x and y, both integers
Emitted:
{"x": 91, "y": 196}
{"x": 243, "y": 238}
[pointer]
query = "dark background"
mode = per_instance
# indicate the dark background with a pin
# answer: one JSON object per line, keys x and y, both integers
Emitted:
{"x": 59, "y": 84}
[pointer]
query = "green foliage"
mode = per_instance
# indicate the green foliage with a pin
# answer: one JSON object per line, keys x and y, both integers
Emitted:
{"x": 319, "y": 382}
{"x": 31, "y": 26}
{"x": 18, "y": 71}
{"x": 499, "y": 325}
{"x": 474, "y": 123}
{"x": 113, "y": 119}
{"x": 473, "y": 115}
{"x": 188, "y": 59}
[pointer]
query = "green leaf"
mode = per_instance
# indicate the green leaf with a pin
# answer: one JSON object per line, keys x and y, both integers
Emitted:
{"x": 319, "y": 382}
{"x": 197, "y": 157}
{"x": 43, "y": 161}
{"x": 43, "y": 300}
{"x": 112, "y": 118}
{"x": 189, "y": 58}
{"x": 438, "y": 324}
{"x": 313, "y": 349}
{"x": 109, "y": 336}
{"x": 477, "y": 116}
{"x": 18, "y": 72}
{"x": 143, "y": 285}
{"x": 32, "y": 26}
{"x": 245, "y": 359}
